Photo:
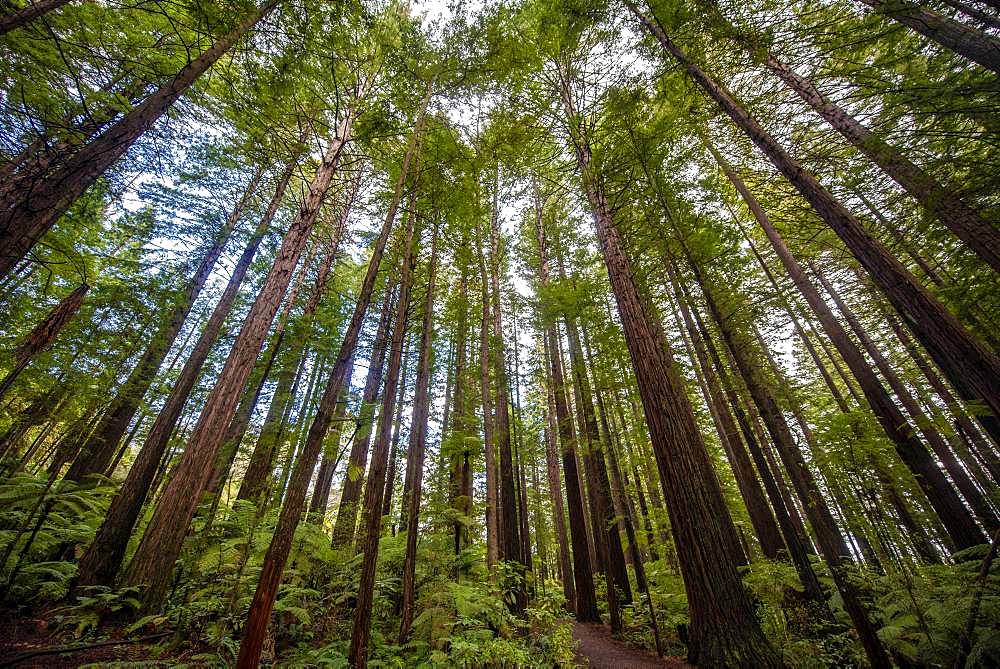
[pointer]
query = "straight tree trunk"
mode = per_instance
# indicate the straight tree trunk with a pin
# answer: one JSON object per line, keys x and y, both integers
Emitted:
{"x": 974, "y": 371}
{"x": 43, "y": 334}
{"x": 555, "y": 490}
{"x": 31, "y": 212}
{"x": 489, "y": 440}
{"x": 585, "y": 601}
{"x": 504, "y": 474}
{"x": 911, "y": 450}
{"x": 375, "y": 484}
{"x": 153, "y": 562}
{"x": 416, "y": 450}
{"x": 461, "y": 494}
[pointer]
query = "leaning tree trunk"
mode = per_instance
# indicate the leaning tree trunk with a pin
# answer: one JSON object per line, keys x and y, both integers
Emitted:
{"x": 99, "y": 449}
{"x": 974, "y": 371}
{"x": 831, "y": 541}
{"x": 416, "y": 451}
{"x": 34, "y": 210}
{"x": 357, "y": 460}
{"x": 100, "y": 564}
{"x": 21, "y": 17}
{"x": 976, "y": 45}
{"x": 43, "y": 334}
{"x": 973, "y": 536}
{"x": 284, "y": 531}
{"x": 911, "y": 450}
{"x": 723, "y": 628}
{"x": 154, "y": 559}
{"x": 981, "y": 236}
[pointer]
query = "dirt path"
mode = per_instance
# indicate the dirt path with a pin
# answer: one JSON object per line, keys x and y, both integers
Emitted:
{"x": 601, "y": 651}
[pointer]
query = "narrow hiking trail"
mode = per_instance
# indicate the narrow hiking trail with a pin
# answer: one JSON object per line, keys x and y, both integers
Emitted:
{"x": 597, "y": 649}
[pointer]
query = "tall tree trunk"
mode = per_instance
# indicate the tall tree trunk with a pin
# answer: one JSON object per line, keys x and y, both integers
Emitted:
{"x": 31, "y": 212}
{"x": 416, "y": 451}
{"x": 974, "y": 371}
{"x": 20, "y": 17}
{"x": 758, "y": 509}
{"x": 831, "y": 541}
{"x": 100, "y": 564}
{"x": 489, "y": 440}
{"x": 555, "y": 490}
{"x": 371, "y": 511}
{"x": 585, "y": 601}
{"x": 281, "y": 541}
{"x": 357, "y": 461}
{"x": 461, "y": 495}
{"x": 981, "y": 236}
{"x": 154, "y": 559}
{"x": 504, "y": 474}
{"x": 97, "y": 451}
{"x": 43, "y": 334}
{"x": 973, "y": 536}
{"x": 976, "y": 45}
{"x": 911, "y": 450}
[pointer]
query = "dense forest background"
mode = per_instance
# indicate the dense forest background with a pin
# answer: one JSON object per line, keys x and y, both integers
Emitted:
{"x": 372, "y": 333}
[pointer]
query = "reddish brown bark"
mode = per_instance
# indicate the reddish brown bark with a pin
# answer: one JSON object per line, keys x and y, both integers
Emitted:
{"x": 371, "y": 511}
{"x": 99, "y": 449}
{"x": 43, "y": 334}
{"x": 160, "y": 546}
{"x": 100, "y": 564}
{"x": 34, "y": 210}
{"x": 974, "y": 371}
{"x": 417, "y": 447}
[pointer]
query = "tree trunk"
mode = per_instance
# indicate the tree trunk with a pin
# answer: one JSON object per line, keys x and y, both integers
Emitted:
{"x": 555, "y": 489}
{"x": 974, "y": 371}
{"x": 281, "y": 541}
{"x": 155, "y": 557}
{"x": 959, "y": 518}
{"x": 489, "y": 441}
{"x": 504, "y": 474}
{"x": 97, "y": 451}
{"x": 20, "y": 17}
{"x": 982, "y": 237}
{"x": 416, "y": 450}
{"x": 100, "y": 564}
{"x": 31, "y": 212}
{"x": 977, "y": 46}
{"x": 831, "y": 541}
{"x": 357, "y": 461}
{"x": 371, "y": 511}
{"x": 43, "y": 334}
{"x": 911, "y": 450}
{"x": 585, "y": 601}
{"x": 461, "y": 494}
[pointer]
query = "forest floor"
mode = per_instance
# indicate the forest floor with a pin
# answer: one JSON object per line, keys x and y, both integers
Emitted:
{"x": 599, "y": 650}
